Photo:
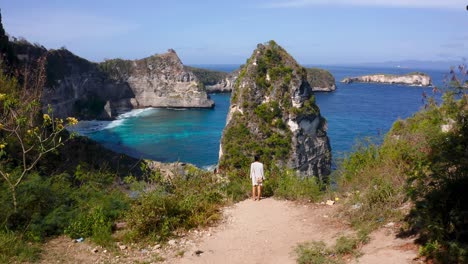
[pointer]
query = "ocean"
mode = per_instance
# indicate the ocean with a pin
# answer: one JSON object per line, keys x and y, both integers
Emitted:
{"x": 354, "y": 112}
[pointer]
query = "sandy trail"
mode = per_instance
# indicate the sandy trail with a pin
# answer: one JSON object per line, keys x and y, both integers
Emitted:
{"x": 265, "y": 231}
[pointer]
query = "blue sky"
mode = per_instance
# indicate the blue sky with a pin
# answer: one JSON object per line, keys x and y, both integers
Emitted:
{"x": 226, "y": 32}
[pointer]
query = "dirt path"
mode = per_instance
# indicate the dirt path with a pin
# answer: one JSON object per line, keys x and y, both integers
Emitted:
{"x": 263, "y": 231}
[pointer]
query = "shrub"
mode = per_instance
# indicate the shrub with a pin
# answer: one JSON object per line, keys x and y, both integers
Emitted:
{"x": 181, "y": 203}
{"x": 293, "y": 187}
{"x": 13, "y": 248}
{"x": 314, "y": 253}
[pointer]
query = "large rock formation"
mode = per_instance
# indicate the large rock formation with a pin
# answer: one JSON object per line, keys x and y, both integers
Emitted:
{"x": 215, "y": 81}
{"x": 413, "y": 79}
{"x": 273, "y": 113}
{"x": 159, "y": 81}
{"x": 321, "y": 80}
{"x": 77, "y": 87}
{"x": 224, "y": 85}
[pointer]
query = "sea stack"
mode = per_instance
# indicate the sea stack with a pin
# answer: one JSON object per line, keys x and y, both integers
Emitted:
{"x": 273, "y": 113}
{"x": 321, "y": 80}
{"x": 411, "y": 79}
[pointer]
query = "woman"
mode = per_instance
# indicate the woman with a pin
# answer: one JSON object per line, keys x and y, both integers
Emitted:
{"x": 257, "y": 176}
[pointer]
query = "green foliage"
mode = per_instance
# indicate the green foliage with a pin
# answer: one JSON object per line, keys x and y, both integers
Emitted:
{"x": 320, "y": 78}
{"x": 181, "y": 203}
{"x": 236, "y": 141}
{"x": 290, "y": 186}
{"x": 424, "y": 163}
{"x": 309, "y": 108}
{"x": 208, "y": 77}
{"x": 346, "y": 245}
{"x": 317, "y": 252}
{"x": 14, "y": 249}
{"x": 116, "y": 69}
{"x": 268, "y": 111}
{"x": 238, "y": 187}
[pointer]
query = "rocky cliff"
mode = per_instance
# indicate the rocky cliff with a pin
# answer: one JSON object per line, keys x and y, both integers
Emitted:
{"x": 77, "y": 87}
{"x": 224, "y": 85}
{"x": 413, "y": 79}
{"x": 215, "y": 81}
{"x": 273, "y": 113}
{"x": 159, "y": 81}
{"x": 321, "y": 80}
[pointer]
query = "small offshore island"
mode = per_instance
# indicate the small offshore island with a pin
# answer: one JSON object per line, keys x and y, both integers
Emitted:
{"x": 411, "y": 79}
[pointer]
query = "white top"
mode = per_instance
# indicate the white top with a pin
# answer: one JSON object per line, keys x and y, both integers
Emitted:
{"x": 256, "y": 171}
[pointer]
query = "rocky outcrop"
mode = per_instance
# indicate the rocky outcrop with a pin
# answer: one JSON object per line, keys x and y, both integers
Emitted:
{"x": 159, "y": 81}
{"x": 273, "y": 113}
{"x": 77, "y": 87}
{"x": 225, "y": 85}
{"x": 412, "y": 79}
{"x": 215, "y": 81}
{"x": 321, "y": 80}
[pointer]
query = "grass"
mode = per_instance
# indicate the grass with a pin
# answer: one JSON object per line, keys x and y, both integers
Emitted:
{"x": 318, "y": 252}
{"x": 14, "y": 249}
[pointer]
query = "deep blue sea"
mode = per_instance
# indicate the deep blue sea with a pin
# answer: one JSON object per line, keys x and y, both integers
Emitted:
{"x": 354, "y": 111}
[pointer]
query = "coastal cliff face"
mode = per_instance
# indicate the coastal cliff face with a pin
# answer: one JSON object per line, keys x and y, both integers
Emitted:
{"x": 77, "y": 87}
{"x": 87, "y": 90}
{"x": 215, "y": 81}
{"x": 321, "y": 80}
{"x": 159, "y": 81}
{"x": 225, "y": 85}
{"x": 413, "y": 79}
{"x": 273, "y": 113}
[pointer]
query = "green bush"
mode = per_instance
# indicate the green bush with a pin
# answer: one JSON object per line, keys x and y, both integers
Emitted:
{"x": 182, "y": 203}
{"x": 315, "y": 253}
{"x": 293, "y": 187}
{"x": 13, "y": 248}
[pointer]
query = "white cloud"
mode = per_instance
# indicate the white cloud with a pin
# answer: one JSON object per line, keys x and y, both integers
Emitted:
{"x": 65, "y": 25}
{"x": 461, "y": 4}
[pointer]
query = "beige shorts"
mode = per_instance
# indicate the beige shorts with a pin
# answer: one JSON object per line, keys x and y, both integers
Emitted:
{"x": 254, "y": 183}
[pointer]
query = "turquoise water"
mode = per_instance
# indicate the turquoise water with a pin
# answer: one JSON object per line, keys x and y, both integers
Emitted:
{"x": 353, "y": 111}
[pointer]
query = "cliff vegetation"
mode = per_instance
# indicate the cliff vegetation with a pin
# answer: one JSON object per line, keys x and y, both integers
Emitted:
{"x": 208, "y": 77}
{"x": 417, "y": 176}
{"x": 271, "y": 90}
{"x": 320, "y": 78}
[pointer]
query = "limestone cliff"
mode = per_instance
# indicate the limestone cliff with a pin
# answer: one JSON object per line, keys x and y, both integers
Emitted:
{"x": 215, "y": 81}
{"x": 224, "y": 85}
{"x": 77, "y": 87}
{"x": 320, "y": 80}
{"x": 159, "y": 81}
{"x": 413, "y": 79}
{"x": 273, "y": 113}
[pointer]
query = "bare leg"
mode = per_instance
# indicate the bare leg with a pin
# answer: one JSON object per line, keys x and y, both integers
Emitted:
{"x": 253, "y": 192}
{"x": 259, "y": 191}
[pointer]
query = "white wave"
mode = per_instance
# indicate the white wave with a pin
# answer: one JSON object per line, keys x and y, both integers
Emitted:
{"x": 87, "y": 127}
{"x": 114, "y": 123}
{"x": 137, "y": 112}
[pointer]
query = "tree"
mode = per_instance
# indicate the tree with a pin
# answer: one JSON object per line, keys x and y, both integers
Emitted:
{"x": 6, "y": 51}
{"x": 26, "y": 135}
